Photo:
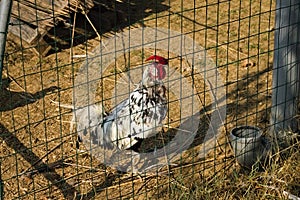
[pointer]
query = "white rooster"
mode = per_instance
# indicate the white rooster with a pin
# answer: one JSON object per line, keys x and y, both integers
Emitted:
{"x": 134, "y": 118}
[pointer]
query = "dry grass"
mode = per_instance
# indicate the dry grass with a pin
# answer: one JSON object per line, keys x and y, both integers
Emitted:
{"x": 38, "y": 155}
{"x": 277, "y": 180}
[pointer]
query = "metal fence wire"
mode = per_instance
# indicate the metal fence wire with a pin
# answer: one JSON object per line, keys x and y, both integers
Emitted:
{"x": 149, "y": 99}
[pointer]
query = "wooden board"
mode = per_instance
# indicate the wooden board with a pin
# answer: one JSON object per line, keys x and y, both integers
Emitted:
{"x": 29, "y": 37}
{"x": 32, "y": 19}
{"x": 47, "y": 12}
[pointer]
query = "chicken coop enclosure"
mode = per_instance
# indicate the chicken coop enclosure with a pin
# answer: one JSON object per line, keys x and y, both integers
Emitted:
{"x": 112, "y": 99}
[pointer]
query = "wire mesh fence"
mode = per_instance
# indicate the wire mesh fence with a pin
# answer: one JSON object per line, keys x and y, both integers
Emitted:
{"x": 85, "y": 115}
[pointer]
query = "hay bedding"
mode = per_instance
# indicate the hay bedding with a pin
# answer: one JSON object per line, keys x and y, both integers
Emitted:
{"x": 80, "y": 170}
{"x": 49, "y": 147}
{"x": 40, "y": 126}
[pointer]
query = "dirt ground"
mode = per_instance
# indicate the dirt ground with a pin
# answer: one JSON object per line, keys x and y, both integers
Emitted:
{"x": 39, "y": 159}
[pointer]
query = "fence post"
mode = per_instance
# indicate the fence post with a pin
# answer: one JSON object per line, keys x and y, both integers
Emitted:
{"x": 5, "y": 9}
{"x": 286, "y": 66}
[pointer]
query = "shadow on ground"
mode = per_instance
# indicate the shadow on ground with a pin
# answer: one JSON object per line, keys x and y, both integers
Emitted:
{"x": 111, "y": 16}
{"x": 11, "y": 99}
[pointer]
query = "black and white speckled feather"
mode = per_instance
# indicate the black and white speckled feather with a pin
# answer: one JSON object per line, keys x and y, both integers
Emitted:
{"x": 138, "y": 116}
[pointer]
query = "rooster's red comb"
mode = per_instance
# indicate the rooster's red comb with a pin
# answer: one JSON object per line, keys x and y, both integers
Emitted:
{"x": 159, "y": 59}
